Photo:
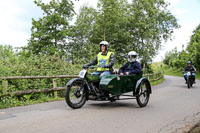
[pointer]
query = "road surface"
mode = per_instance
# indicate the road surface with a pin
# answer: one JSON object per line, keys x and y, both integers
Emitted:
{"x": 172, "y": 108}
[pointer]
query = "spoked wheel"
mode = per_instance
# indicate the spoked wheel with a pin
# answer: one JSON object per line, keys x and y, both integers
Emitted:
{"x": 76, "y": 95}
{"x": 144, "y": 94}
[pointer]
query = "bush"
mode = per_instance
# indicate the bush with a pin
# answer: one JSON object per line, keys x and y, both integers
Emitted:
{"x": 22, "y": 64}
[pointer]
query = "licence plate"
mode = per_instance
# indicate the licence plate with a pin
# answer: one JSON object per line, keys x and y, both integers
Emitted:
{"x": 82, "y": 73}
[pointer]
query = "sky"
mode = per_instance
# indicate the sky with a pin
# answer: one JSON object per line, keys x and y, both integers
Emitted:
{"x": 16, "y": 21}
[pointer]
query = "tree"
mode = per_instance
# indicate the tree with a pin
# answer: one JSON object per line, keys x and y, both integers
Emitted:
{"x": 150, "y": 23}
{"x": 51, "y": 33}
{"x": 81, "y": 49}
{"x": 6, "y": 51}
{"x": 194, "y": 47}
{"x": 167, "y": 58}
{"x": 176, "y": 59}
{"x": 111, "y": 25}
{"x": 140, "y": 25}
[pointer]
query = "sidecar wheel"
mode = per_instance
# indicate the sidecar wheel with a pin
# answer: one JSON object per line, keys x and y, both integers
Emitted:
{"x": 75, "y": 95}
{"x": 144, "y": 94}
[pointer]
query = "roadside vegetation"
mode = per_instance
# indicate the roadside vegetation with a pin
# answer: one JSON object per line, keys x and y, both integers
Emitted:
{"x": 167, "y": 70}
{"x": 158, "y": 81}
{"x": 195, "y": 129}
{"x": 177, "y": 60}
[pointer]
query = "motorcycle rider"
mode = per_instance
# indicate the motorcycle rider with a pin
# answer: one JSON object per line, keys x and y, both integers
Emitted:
{"x": 191, "y": 68}
{"x": 132, "y": 66}
{"x": 104, "y": 59}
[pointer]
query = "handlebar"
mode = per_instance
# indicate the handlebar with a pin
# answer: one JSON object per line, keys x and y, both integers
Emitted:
{"x": 188, "y": 71}
{"x": 90, "y": 67}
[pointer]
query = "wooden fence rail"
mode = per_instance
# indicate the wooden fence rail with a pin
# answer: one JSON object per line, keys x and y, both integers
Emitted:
{"x": 151, "y": 77}
{"x": 39, "y": 77}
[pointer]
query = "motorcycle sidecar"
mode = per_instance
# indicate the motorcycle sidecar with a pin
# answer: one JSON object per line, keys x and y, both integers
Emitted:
{"x": 117, "y": 85}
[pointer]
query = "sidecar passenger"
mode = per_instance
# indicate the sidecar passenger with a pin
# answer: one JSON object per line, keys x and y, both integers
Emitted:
{"x": 132, "y": 66}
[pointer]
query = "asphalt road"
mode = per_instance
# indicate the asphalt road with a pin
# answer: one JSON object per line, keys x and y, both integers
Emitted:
{"x": 172, "y": 108}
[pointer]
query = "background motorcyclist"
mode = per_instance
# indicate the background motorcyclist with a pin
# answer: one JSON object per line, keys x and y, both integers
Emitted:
{"x": 191, "y": 68}
{"x": 104, "y": 59}
{"x": 132, "y": 66}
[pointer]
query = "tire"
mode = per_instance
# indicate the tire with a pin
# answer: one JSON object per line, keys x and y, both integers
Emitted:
{"x": 143, "y": 94}
{"x": 188, "y": 82}
{"x": 191, "y": 82}
{"x": 75, "y": 95}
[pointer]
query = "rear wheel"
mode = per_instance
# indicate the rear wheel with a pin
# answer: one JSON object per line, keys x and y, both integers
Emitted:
{"x": 75, "y": 95}
{"x": 144, "y": 94}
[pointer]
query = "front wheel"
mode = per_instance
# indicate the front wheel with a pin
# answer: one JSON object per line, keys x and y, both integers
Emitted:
{"x": 191, "y": 82}
{"x": 144, "y": 94}
{"x": 75, "y": 95}
{"x": 188, "y": 82}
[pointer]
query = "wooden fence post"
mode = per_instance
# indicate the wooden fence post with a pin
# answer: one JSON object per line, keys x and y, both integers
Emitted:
{"x": 55, "y": 86}
{"x": 5, "y": 86}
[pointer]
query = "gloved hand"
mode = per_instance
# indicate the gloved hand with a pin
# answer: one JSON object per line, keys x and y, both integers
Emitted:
{"x": 85, "y": 66}
{"x": 105, "y": 66}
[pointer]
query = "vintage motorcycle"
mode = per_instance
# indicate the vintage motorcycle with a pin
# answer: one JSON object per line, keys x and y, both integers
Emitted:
{"x": 109, "y": 88}
{"x": 190, "y": 80}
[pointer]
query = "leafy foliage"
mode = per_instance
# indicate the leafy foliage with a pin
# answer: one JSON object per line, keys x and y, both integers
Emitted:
{"x": 140, "y": 25}
{"x": 17, "y": 64}
{"x": 51, "y": 33}
{"x": 179, "y": 59}
{"x": 81, "y": 49}
{"x": 10, "y": 101}
{"x": 194, "y": 47}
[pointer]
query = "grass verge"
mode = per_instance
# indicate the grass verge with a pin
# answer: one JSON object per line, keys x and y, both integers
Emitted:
{"x": 157, "y": 82}
{"x": 178, "y": 72}
{"x": 159, "y": 67}
{"x": 7, "y": 102}
{"x": 195, "y": 129}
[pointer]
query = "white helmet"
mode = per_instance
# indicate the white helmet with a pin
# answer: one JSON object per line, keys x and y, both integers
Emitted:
{"x": 104, "y": 43}
{"x": 132, "y": 56}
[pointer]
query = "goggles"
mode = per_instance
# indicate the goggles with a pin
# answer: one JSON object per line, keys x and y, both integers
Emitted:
{"x": 132, "y": 56}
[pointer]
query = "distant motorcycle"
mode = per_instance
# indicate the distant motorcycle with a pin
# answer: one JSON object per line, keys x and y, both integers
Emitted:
{"x": 190, "y": 80}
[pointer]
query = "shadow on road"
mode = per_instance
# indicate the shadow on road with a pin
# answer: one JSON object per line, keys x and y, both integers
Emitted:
{"x": 184, "y": 86}
{"x": 117, "y": 104}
